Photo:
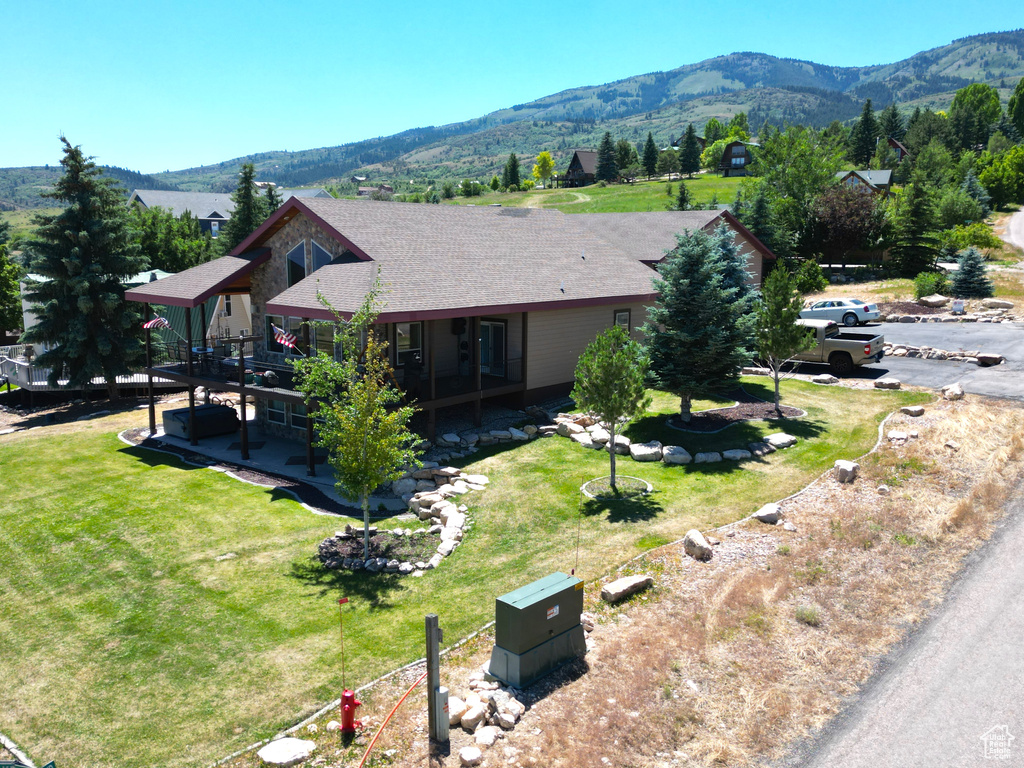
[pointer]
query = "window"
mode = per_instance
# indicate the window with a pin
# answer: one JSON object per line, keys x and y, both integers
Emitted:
{"x": 214, "y": 228}
{"x": 296, "y": 264}
{"x": 292, "y": 325}
{"x": 275, "y": 411}
{"x": 272, "y": 344}
{"x": 409, "y": 341}
{"x": 622, "y": 319}
{"x": 320, "y": 257}
{"x": 227, "y": 306}
{"x": 299, "y": 416}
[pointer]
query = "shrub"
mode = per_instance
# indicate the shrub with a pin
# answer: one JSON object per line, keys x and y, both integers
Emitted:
{"x": 529, "y": 184}
{"x": 448, "y": 190}
{"x": 966, "y": 235}
{"x": 810, "y": 278}
{"x": 808, "y": 615}
{"x": 929, "y": 283}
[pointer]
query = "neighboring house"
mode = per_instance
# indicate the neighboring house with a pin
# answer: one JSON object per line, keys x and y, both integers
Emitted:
{"x": 901, "y": 151}
{"x": 701, "y": 142}
{"x": 736, "y": 157}
{"x": 875, "y": 182}
{"x": 481, "y": 303}
{"x": 358, "y": 179}
{"x": 582, "y": 169}
{"x": 367, "y": 191}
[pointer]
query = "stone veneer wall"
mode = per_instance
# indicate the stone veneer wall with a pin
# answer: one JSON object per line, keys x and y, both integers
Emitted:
{"x": 270, "y": 279}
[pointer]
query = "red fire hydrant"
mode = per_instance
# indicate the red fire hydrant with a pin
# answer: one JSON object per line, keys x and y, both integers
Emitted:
{"x": 348, "y": 711}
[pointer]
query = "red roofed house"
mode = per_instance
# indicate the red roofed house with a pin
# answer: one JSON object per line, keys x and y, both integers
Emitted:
{"x": 494, "y": 302}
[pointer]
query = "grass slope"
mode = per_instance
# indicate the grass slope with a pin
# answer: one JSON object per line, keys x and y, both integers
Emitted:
{"x": 129, "y": 641}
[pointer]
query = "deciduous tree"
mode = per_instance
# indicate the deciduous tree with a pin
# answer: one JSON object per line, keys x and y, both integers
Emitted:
{"x": 83, "y": 253}
{"x": 1015, "y": 109}
{"x": 668, "y": 163}
{"x": 543, "y": 167}
{"x": 778, "y": 336}
{"x": 610, "y": 379}
{"x": 10, "y": 292}
{"x": 713, "y": 131}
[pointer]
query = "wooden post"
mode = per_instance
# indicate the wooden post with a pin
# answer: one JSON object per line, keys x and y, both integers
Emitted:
{"x": 149, "y": 372}
{"x": 477, "y": 375}
{"x": 431, "y": 324}
{"x": 431, "y": 424}
{"x": 191, "y": 387}
{"x": 310, "y": 462}
{"x": 241, "y": 398}
{"x": 524, "y": 354}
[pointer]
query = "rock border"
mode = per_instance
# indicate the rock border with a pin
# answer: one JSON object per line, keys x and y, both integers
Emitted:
{"x": 976, "y": 357}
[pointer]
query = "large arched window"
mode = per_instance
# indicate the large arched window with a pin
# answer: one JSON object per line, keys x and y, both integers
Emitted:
{"x": 296, "y": 264}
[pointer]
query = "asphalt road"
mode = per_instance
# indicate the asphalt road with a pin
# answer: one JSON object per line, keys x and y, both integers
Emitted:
{"x": 953, "y": 694}
{"x": 1004, "y": 380}
{"x": 1015, "y": 229}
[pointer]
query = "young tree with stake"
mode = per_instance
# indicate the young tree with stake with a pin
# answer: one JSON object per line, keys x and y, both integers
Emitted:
{"x": 610, "y": 382}
{"x": 778, "y": 336}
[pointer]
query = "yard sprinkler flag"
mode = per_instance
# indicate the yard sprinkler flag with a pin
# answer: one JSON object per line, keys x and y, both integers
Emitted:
{"x": 156, "y": 322}
{"x": 281, "y": 336}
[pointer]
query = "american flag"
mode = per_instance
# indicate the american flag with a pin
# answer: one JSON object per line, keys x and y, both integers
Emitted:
{"x": 281, "y": 336}
{"x": 157, "y": 322}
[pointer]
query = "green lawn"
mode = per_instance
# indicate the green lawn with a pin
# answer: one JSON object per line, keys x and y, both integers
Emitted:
{"x": 642, "y": 196}
{"x": 126, "y": 641}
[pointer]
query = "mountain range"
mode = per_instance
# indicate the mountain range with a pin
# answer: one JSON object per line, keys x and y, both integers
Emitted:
{"x": 766, "y": 87}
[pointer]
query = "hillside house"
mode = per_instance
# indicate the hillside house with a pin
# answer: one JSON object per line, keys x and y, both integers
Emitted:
{"x": 874, "y": 182}
{"x": 582, "y": 169}
{"x": 736, "y": 157}
{"x": 701, "y": 142}
{"x": 481, "y": 303}
{"x": 901, "y": 151}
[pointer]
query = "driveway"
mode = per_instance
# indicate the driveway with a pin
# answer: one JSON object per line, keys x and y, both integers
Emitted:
{"x": 1014, "y": 234}
{"x": 953, "y": 695}
{"x": 1007, "y": 339}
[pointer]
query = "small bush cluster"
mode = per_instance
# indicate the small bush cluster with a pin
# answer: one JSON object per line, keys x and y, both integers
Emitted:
{"x": 930, "y": 283}
{"x": 808, "y": 615}
{"x": 810, "y": 278}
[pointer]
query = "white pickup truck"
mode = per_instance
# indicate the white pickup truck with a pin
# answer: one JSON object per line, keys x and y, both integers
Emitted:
{"x": 841, "y": 350}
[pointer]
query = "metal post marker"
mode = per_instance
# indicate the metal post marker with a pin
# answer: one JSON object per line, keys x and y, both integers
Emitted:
{"x": 437, "y": 697}
{"x": 341, "y": 628}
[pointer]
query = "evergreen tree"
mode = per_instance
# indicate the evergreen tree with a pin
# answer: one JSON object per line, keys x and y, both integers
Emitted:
{"x": 969, "y": 280}
{"x": 650, "y": 160}
{"x": 10, "y": 292}
{"x": 623, "y": 153}
{"x": 610, "y": 382}
{"x": 273, "y": 200}
{"x": 683, "y": 198}
{"x": 250, "y": 211}
{"x": 84, "y": 252}
{"x": 977, "y": 193}
{"x": 890, "y": 123}
{"x": 689, "y": 152}
{"x": 757, "y": 217}
{"x": 696, "y": 332}
{"x": 1015, "y": 109}
{"x": 914, "y": 247}
{"x": 863, "y": 136}
{"x": 778, "y": 336}
{"x": 606, "y": 168}
{"x": 510, "y": 174}
{"x": 495, "y": 184}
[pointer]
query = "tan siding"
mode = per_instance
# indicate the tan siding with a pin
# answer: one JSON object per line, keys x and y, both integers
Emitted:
{"x": 558, "y": 337}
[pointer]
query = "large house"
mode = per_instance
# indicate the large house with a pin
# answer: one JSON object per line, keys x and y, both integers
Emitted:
{"x": 736, "y": 157}
{"x": 875, "y": 182}
{"x": 480, "y": 303}
{"x": 582, "y": 169}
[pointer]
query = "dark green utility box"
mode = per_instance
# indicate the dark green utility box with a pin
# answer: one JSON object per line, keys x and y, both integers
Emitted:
{"x": 537, "y": 629}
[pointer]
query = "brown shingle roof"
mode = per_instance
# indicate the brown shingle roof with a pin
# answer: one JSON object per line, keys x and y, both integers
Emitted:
{"x": 451, "y": 261}
{"x": 647, "y": 236}
{"x": 194, "y": 286}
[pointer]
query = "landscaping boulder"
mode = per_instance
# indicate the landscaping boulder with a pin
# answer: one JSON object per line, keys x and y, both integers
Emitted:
{"x": 997, "y": 304}
{"x": 488, "y": 735}
{"x": 621, "y": 445}
{"x": 696, "y": 546}
{"x": 769, "y": 513}
{"x": 912, "y": 410}
{"x": 567, "y": 428}
{"x": 518, "y": 435}
{"x": 673, "y": 454}
{"x": 953, "y": 392}
{"x": 736, "y": 454}
{"x": 456, "y": 709}
{"x": 651, "y": 451}
{"x": 760, "y": 449}
{"x": 887, "y": 383}
{"x": 584, "y": 439}
{"x": 473, "y": 716}
{"x": 897, "y": 436}
{"x": 615, "y": 591}
{"x": 985, "y": 359}
{"x": 845, "y": 471}
{"x": 403, "y": 486}
{"x": 470, "y": 756}
{"x": 707, "y": 457}
{"x": 824, "y": 378}
{"x": 935, "y": 300}
{"x": 600, "y": 435}
{"x": 286, "y": 751}
{"x": 780, "y": 440}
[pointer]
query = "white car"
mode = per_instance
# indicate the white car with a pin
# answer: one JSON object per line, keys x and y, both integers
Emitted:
{"x": 849, "y": 312}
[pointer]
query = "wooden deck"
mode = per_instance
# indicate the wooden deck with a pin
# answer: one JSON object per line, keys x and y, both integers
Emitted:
{"x": 26, "y": 376}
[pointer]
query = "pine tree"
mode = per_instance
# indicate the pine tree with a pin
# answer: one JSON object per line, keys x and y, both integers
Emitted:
{"x": 863, "y": 136}
{"x": 650, "y": 161}
{"x": 273, "y": 200}
{"x": 756, "y": 215}
{"x": 610, "y": 381}
{"x": 683, "y": 198}
{"x": 606, "y": 168}
{"x": 510, "y": 174}
{"x": 10, "y": 292}
{"x": 977, "y": 193}
{"x": 1015, "y": 109}
{"x": 778, "y": 336}
{"x": 84, "y": 252}
{"x": 689, "y": 153}
{"x": 914, "y": 250}
{"x": 250, "y": 211}
{"x": 969, "y": 280}
{"x": 890, "y": 123}
{"x": 695, "y": 331}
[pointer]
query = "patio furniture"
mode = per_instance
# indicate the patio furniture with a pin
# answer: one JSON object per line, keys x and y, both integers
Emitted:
{"x": 210, "y": 420}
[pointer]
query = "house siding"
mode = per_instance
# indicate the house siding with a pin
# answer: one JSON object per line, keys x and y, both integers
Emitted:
{"x": 557, "y": 338}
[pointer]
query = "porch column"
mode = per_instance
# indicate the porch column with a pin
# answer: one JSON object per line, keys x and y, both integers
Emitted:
{"x": 477, "y": 377}
{"x": 189, "y": 370}
{"x": 241, "y": 399}
{"x": 204, "y": 345}
{"x": 149, "y": 372}
{"x": 310, "y": 463}
{"x": 524, "y": 354}
{"x": 431, "y": 424}
{"x": 431, "y": 324}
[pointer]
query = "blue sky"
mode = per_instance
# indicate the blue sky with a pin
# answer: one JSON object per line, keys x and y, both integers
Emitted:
{"x": 152, "y": 85}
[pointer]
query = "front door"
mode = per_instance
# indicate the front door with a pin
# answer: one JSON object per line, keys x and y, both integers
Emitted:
{"x": 492, "y": 348}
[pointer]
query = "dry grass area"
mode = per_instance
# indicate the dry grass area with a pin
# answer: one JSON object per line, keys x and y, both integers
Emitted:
{"x": 726, "y": 662}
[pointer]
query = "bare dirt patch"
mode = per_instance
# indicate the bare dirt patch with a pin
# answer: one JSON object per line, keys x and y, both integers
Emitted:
{"x": 909, "y": 308}
{"x": 727, "y": 662}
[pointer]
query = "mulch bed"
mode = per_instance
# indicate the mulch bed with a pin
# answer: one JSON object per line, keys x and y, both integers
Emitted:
{"x": 909, "y": 308}
{"x": 747, "y": 408}
{"x": 405, "y": 548}
{"x": 625, "y": 488}
{"x": 307, "y": 494}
